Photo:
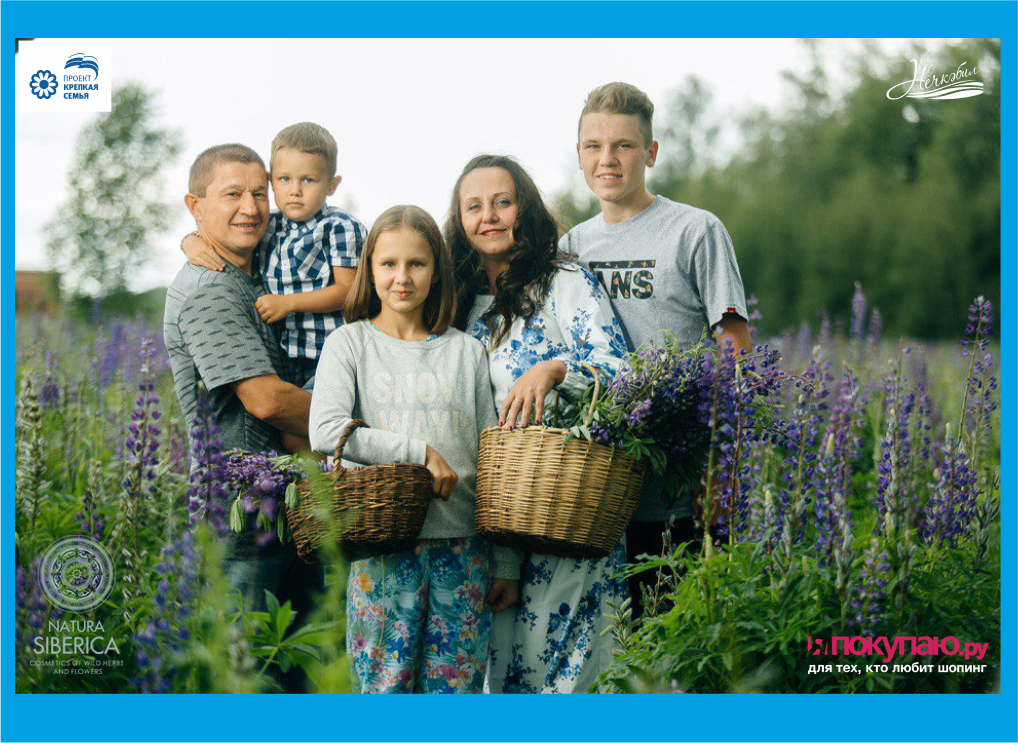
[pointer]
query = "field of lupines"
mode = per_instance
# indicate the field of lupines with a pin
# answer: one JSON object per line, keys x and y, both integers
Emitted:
{"x": 859, "y": 478}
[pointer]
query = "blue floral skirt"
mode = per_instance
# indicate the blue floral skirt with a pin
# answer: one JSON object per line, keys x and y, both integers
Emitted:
{"x": 550, "y": 641}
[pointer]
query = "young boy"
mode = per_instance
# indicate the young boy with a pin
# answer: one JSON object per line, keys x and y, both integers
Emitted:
{"x": 665, "y": 266}
{"x": 310, "y": 251}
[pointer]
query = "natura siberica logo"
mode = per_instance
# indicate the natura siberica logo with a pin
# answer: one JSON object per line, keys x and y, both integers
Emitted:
{"x": 44, "y": 84}
{"x": 77, "y": 573}
{"x": 78, "y": 85}
{"x": 927, "y": 83}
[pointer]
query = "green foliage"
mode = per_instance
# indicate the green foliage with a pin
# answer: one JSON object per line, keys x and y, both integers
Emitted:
{"x": 101, "y": 235}
{"x": 739, "y": 622}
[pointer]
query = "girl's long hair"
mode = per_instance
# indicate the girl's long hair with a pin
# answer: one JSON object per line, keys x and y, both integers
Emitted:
{"x": 533, "y": 259}
{"x": 440, "y": 306}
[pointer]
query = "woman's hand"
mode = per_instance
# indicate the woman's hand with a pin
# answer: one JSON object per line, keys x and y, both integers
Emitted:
{"x": 199, "y": 253}
{"x": 503, "y": 594}
{"x": 445, "y": 477}
{"x": 529, "y": 392}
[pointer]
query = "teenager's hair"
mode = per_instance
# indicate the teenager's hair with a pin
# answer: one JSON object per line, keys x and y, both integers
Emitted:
{"x": 621, "y": 98}
{"x": 533, "y": 258}
{"x": 440, "y": 306}
{"x": 204, "y": 166}
{"x": 311, "y": 139}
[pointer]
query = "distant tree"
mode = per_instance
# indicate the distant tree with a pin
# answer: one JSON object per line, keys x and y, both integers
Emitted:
{"x": 101, "y": 236}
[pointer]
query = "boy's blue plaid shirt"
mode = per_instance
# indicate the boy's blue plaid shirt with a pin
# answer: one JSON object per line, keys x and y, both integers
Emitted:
{"x": 299, "y": 257}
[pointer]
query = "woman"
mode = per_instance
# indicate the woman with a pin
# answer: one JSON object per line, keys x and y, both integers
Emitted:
{"x": 539, "y": 316}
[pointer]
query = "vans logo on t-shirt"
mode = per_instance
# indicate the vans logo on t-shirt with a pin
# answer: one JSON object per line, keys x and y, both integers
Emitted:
{"x": 626, "y": 278}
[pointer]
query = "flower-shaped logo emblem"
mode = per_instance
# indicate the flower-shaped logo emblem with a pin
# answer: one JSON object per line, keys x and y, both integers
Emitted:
{"x": 44, "y": 84}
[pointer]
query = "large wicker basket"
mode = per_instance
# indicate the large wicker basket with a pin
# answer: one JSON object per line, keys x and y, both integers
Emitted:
{"x": 540, "y": 492}
{"x": 376, "y": 509}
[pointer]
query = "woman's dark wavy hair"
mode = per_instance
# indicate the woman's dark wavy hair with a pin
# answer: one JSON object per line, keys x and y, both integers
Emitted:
{"x": 533, "y": 259}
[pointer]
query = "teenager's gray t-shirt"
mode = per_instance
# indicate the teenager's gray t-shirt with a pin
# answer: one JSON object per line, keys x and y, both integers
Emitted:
{"x": 213, "y": 334}
{"x": 671, "y": 267}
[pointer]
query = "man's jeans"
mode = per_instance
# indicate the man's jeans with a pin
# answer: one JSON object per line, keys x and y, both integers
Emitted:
{"x": 275, "y": 568}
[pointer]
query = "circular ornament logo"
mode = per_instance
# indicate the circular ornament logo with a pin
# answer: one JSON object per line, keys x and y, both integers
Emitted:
{"x": 77, "y": 573}
{"x": 44, "y": 84}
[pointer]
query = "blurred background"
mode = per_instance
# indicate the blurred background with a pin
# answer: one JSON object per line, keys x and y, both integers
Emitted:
{"x": 823, "y": 182}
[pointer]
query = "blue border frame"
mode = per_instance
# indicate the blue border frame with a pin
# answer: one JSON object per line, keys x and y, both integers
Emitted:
{"x": 704, "y": 717}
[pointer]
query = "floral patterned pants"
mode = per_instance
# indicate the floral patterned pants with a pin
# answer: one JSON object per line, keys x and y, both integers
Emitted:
{"x": 416, "y": 620}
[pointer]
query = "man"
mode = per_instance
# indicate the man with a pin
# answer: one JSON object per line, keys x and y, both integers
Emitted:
{"x": 213, "y": 335}
{"x": 665, "y": 266}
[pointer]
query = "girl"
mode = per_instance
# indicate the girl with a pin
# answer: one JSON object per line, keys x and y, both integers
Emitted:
{"x": 416, "y": 620}
{"x": 539, "y": 316}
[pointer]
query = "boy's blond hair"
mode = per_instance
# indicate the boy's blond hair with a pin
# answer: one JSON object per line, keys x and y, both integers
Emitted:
{"x": 311, "y": 139}
{"x": 621, "y": 98}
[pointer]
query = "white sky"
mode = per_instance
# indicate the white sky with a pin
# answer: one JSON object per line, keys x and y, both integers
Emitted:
{"x": 407, "y": 113}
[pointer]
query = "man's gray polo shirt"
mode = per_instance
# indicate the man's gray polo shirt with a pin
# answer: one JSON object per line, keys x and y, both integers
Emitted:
{"x": 213, "y": 334}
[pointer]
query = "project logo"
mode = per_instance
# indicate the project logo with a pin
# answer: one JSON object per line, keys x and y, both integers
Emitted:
{"x": 79, "y": 85}
{"x": 44, "y": 84}
{"x": 926, "y": 83}
{"x": 84, "y": 62}
{"x": 77, "y": 573}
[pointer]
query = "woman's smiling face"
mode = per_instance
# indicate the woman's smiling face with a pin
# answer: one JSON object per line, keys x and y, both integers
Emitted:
{"x": 488, "y": 210}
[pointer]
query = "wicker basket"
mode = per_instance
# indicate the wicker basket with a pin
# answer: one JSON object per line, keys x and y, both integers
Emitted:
{"x": 540, "y": 492}
{"x": 376, "y": 509}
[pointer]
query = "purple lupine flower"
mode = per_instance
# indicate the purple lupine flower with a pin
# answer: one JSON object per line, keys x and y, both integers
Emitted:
{"x": 755, "y": 316}
{"x": 871, "y": 592}
{"x": 207, "y": 498}
{"x": 163, "y": 635}
{"x": 89, "y": 517}
{"x": 953, "y": 495}
{"x": 834, "y": 470}
{"x": 49, "y": 395}
{"x": 979, "y": 400}
{"x": 858, "y": 323}
{"x": 30, "y": 611}
{"x": 803, "y": 343}
{"x": 896, "y": 493}
{"x": 875, "y": 331}
{"x": 141, "y": 445}
{"x": 259, "y": 482}
{"x": 801, "y": 440}
{"x": 731, "y": 396}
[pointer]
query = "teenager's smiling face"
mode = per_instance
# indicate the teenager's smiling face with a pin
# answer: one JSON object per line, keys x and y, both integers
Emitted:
{"x": 614, "y": 156}
{"x": 488, "y": 210}
{"x": 402, "y": 270}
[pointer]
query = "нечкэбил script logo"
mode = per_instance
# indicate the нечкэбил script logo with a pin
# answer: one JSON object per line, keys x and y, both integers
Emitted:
{"x": 926, "y": 82}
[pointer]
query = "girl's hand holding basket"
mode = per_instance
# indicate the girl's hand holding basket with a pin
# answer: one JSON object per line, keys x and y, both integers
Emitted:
{"x": 444, "y": 475}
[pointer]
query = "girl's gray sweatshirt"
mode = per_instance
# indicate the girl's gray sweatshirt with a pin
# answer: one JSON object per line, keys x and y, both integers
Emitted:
{"x": 412, "y": 394}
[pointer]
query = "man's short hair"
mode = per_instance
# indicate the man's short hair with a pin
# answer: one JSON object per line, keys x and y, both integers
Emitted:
{"x": 204, "y": 166}
{"x": 311, "y": 139}
{"x": 621, "y": 98}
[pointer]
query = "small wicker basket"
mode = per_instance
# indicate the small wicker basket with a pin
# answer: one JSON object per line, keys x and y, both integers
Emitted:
{"x": 376, "y": 509}
{"x": 540, "y": 492}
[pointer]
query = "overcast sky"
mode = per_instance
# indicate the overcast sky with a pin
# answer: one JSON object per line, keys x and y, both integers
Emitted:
{"x": 407, "y": 113}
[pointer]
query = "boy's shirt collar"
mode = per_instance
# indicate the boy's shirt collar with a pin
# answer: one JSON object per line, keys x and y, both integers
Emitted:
{"x": 309, "y": 224}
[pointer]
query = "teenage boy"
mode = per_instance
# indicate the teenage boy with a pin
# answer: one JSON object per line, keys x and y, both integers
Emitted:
{"x": 665, "y": 266}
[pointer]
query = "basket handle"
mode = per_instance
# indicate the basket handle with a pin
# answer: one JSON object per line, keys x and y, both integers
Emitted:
{"x": 354, "y": 425}
{"x": 597, "y": 391}
{"x": 594, "y": 371}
